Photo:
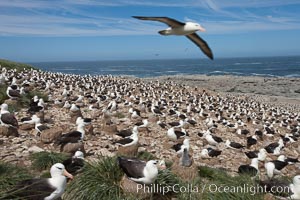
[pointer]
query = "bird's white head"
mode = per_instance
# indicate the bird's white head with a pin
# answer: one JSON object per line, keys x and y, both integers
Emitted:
{"x": 152, "y": 163}
{"x": 204, "y": 152}
{"x": 36, "y": 119}
{"x": 79, "y": 154}
{"x": 281, "y": 158}
{"x": 296, "y": 180}
{"x": 227, "y": 143}
{"x": 79, "y": 120}
{"x": 195, "y": 26}
{"x": 186, "y": 141}
{"x": 4, "y": 106}
{"x": 58, "y": 169}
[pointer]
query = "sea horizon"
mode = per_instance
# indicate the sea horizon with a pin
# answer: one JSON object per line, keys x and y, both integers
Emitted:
{"x": 269, "y": 66}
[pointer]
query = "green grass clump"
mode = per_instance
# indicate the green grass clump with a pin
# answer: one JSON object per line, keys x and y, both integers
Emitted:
{"x": 14, "y": 65}
{"x": 23, "y": 101}
{"x": 44, "y": 160}
{"x": 120, "y": 115}
{"x": 191, "y": 190}
{"x": 98, "y": 180}
{"x": 26, "y": 98}
{"x": 144, "y": 155}
{"x": 3, "y": 95}
{"x": 10, "y": 175}
{"x": 238, "y": 187}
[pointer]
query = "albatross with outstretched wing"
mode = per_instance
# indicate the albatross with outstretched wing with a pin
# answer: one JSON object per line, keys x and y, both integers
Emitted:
{"x": 179, "y": 28}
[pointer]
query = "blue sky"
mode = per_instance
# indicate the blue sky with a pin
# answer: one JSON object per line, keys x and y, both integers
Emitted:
{"x": 70, "y": 30}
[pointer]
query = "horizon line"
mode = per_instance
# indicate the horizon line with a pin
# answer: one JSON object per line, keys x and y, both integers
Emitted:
{"x": 154, "y": 59}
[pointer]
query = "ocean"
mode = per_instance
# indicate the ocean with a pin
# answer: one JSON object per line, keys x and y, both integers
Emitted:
{"x": 260, "y": 66}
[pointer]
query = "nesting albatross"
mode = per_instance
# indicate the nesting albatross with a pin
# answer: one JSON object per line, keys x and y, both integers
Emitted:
{"x": 7, "y": 118}
{"x": 179, "y": 28}
{"x": 47, "y": 188}
{"x": 139, "y": 171}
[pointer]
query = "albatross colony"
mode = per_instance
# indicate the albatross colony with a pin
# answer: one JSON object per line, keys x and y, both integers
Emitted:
{"x": 207, "y": 118}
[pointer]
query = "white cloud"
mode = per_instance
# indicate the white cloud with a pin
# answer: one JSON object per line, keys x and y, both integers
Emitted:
{"x": 226, "y": 27}
{"x": 211, "y": 4}
{"x": 71, "y": 20}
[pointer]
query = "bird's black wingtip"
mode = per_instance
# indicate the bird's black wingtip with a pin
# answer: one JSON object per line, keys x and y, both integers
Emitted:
{"x": 211, "y": 56}
{"x": 137, "y": 17}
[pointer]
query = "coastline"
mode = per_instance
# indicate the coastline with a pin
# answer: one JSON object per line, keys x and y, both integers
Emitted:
{"x": 275, "y": 90}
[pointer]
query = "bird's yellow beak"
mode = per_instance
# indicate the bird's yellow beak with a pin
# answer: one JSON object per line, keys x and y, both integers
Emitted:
{"x": 67, "y": 174}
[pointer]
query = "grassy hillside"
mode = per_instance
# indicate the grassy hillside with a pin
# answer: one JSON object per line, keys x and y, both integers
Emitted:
{"x": 14, "y": 65}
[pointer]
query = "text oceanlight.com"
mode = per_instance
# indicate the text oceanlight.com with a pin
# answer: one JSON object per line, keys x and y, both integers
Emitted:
{"x": 211, "y": 188}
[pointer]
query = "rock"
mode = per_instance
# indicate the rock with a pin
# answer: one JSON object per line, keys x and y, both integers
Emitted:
{"x": 269, "y": 196}
{"x": 50, "y": 135}
{"x": 41, "y": 115}
{"x": 141, "y": 149}
{"x": 144, "y": 130}
{"x": 104, "y": 152}
{"x": 88, "y": 143}
{"x": 89, "y": 129}
{"x": 106, "y": 118}
{"x": 153, "y": 151}
{"x": 153, "y": 119}
{"x": 130, "y": 151}
{"x": 34, "y": 149}
{"x": 74, "y": 115}
{"x": 11, "y": 102}
{"x": 103, "y": 138}
{"x": 111, "y": 129}
{"x": 26, "y": 127}
{"x": 9, "y": 131}
{"x": 10, "y": 159}
{"x": 185, "y": 173}
{"x": 73, "y": 147}
{"x": 18, "y": 140}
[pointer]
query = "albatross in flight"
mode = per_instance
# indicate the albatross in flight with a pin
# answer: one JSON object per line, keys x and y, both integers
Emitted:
{"x": 179, "y": 28}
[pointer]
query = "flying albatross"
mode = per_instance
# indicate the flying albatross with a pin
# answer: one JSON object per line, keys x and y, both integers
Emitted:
{"x": 179, "y": 28}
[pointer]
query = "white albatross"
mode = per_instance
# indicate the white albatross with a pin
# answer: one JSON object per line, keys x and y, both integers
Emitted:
{"x": 43, "y": 188}
{"x": 139, "y": 171}
{"x": 179, "y": 28}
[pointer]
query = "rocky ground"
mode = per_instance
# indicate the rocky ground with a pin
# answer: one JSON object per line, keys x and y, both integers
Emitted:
{"x": 275, "y": 90}
{"x": 99, "y": 137}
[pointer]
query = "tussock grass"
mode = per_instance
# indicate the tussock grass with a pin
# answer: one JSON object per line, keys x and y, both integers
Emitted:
{"x": 14, "y": 65}
{"x": 239, "y": 187}
{"x": 26, "y": 98}
{"x": 120, "y": 115}
{"x": 190, "y": 190}
{"x": 144, "y": 155}
{"x": 44, "y": 160}
{"x": 3, "y": 95}
{"x": 101, "y": 180}
{"x": 98, "y": 180}
{"x": 10, "y": 175}
{"x": 23, "y": 101}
